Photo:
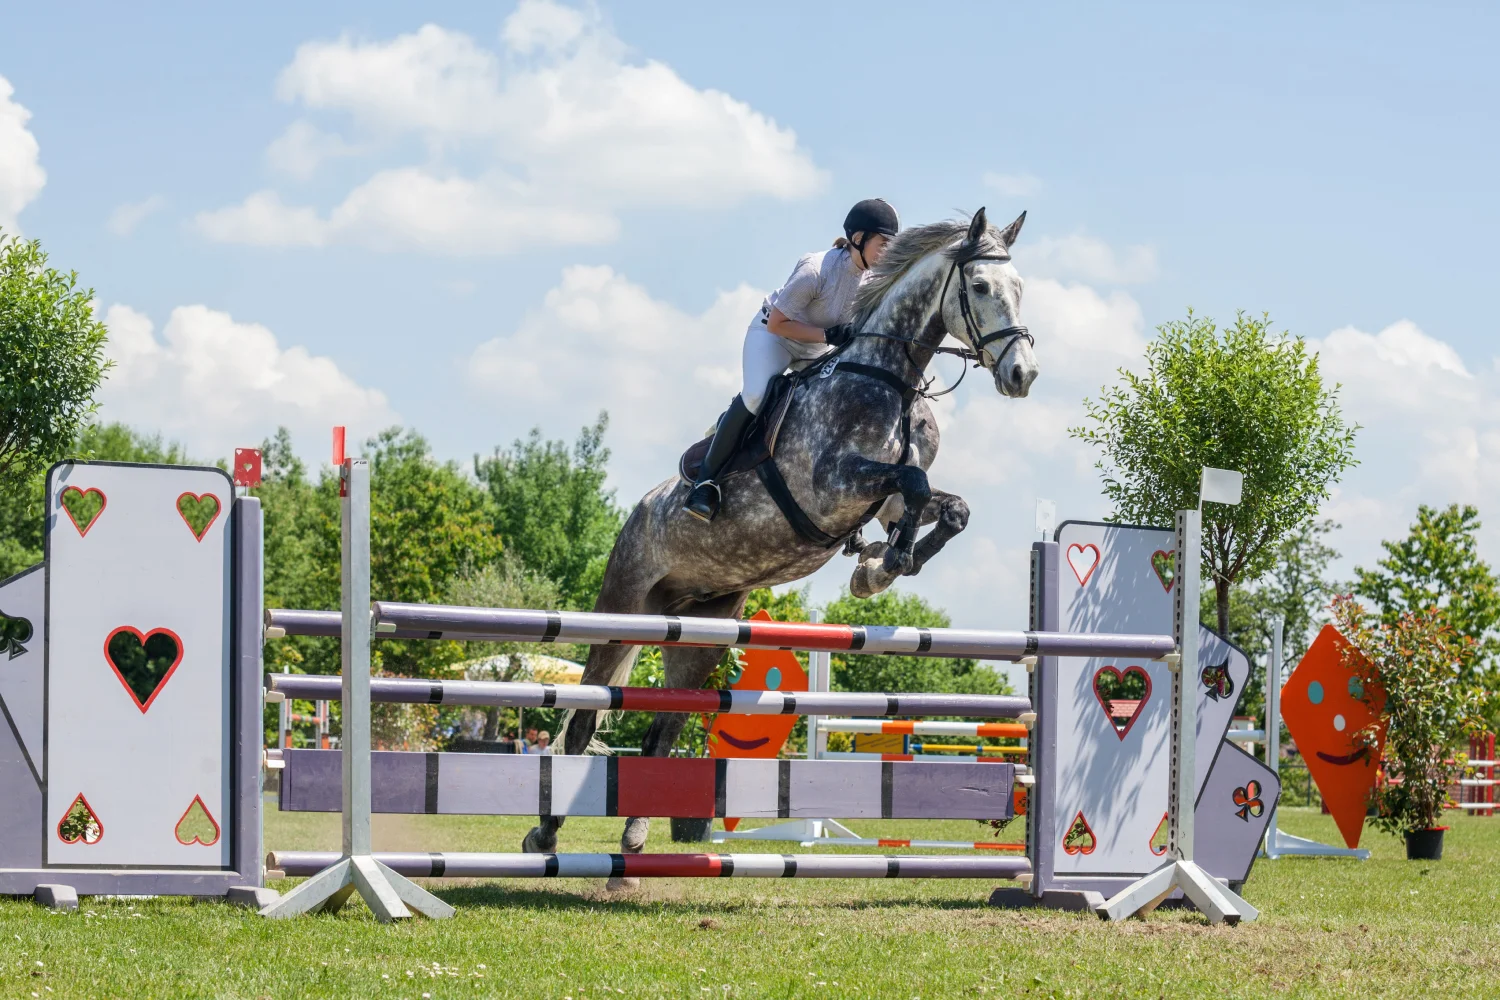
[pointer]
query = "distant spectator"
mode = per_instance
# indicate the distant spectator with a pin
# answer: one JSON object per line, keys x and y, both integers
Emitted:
{"x": 530, "y": 739}
{"x": 542, "y": 740}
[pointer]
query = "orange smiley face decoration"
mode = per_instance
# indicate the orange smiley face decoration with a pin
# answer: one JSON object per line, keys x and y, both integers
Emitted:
{"x": 758, "y": 735}
{"x": 1322, "y": 704}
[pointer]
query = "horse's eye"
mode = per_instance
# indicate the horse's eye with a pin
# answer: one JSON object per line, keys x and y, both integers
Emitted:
{"x": 981, "y": 288}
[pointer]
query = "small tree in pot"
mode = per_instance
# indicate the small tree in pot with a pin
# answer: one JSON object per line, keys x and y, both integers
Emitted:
{"x": 1412, "y": 670}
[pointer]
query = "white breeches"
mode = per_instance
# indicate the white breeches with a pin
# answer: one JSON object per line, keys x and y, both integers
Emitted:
{"x": 765, "y": 356}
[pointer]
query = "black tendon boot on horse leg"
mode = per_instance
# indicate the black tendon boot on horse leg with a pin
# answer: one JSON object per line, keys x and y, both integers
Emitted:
{"x": 703, "y": 501}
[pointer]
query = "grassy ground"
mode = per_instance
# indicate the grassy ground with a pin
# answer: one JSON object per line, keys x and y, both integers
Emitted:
{"x": 1385, "y": 928}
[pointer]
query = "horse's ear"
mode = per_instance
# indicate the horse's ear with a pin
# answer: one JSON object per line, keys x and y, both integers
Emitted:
{"x": 978, "y": 226}
{"x": 1008, "y": 236}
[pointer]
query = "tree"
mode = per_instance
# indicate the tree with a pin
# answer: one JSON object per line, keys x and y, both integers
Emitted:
{"x": 1246, "y": 400}
{"x": 1295, "y": 587}
{"x": 851, "y": 672}
{"x": 22, "y": 520}
{"x": 1437, "y": 565}
{"x": 551, "y": 508}
{"x": 51, "y": 361}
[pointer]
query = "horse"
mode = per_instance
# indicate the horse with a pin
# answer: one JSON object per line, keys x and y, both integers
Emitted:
{"x": 857, "y": 439}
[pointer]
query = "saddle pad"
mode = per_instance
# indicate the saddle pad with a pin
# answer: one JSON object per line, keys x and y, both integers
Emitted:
{"x": 759, "y": 442}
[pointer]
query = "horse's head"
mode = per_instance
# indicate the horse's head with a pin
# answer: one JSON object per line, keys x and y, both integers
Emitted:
{"x": 981, "y": 304}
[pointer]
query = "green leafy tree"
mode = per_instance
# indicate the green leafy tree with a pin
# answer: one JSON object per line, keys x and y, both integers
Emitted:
{"x": 1297, "y": 587}
{"x": 429, "y": 523}
{"x": 1437, "y": 565}
{"x": 852, "y": 672}
{"x": 51, "y": 361}
{"x": 551, "y": 508}
{"x": 22, "y": 520}
{"x": 1238, "y": 398}
{"x": 1414, "y": 673}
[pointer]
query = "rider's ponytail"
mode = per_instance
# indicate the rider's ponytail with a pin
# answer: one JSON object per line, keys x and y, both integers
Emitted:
{"x": 840, "y": 244}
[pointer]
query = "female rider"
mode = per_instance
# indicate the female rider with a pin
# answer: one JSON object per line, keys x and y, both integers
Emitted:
{"x": 798, "y": 322}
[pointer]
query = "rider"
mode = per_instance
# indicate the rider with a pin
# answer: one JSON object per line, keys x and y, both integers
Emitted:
{"x": 801, "y": 320}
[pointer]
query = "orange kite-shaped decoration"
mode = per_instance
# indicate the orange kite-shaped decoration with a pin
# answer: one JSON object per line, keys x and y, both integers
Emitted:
{"x": 1324, "y": 708}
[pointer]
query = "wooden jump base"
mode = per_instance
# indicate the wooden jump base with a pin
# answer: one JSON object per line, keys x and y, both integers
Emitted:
{"x": 437, "y": 621}
{"x": 458, "y": 865}
{"x": 591, "y": 697}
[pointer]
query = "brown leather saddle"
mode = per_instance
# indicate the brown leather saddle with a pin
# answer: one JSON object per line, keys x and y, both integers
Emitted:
{"x": 759, "y": 442}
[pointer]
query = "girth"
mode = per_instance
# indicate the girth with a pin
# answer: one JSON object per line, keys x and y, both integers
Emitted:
{"x": 770, "y": 476}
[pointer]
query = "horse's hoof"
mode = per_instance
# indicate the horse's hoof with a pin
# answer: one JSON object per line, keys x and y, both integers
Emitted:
{"x": 622, "y": 883}
{"x": 534, "y": 844}
{"x": 897, "y": 561}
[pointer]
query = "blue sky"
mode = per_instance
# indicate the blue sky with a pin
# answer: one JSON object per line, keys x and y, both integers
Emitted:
{"x": 473, "y": 219}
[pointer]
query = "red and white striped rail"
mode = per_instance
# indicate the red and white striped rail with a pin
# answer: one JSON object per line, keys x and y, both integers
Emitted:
{"x": 436, "y": 621}
{"x": 458, "y": 865}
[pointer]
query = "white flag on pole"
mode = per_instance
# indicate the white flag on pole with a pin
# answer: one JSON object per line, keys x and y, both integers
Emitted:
{"x": 1221, "y": 486}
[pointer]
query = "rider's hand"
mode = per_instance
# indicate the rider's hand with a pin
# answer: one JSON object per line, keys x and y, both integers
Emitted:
{"x": 839, "y": 335}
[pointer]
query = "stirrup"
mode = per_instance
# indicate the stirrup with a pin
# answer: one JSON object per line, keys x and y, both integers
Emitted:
{"x": 713, "y": 506}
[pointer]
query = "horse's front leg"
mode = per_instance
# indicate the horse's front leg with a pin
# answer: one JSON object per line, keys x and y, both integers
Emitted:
{"x": 871, "y": 481}
{"x": 951, "y": 515}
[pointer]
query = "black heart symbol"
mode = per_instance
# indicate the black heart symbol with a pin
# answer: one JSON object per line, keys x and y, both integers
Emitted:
{"x": 143, "y": 662}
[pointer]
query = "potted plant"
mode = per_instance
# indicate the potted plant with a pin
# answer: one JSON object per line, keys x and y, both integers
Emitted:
{"x": 1408, "y": 671}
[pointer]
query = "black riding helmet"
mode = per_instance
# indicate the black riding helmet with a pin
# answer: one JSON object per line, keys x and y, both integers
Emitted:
{"x": 873, "y": 215}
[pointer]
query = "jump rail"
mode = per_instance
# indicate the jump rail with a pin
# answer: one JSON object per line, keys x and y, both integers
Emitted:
{"x": 458, "y": 865}
{"x": 437, "y": 621}
{"x": 922, "y": 727}
{"x": 580, "y": 697}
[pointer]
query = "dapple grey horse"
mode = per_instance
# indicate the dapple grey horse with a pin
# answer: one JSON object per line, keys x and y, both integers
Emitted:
{"x": 840, "y": 452}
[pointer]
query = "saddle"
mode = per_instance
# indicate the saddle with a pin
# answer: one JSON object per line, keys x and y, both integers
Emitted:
{"x": 759, "y": 442}
{"x": 757, "y": 449}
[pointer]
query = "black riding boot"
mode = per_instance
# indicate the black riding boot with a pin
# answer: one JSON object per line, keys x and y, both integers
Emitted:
{"x": 703, "y": 501}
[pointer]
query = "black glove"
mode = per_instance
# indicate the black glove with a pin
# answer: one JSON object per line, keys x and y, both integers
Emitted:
{"x": 839, "y": 335}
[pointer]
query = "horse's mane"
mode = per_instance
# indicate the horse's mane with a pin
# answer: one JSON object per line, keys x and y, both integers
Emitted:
{"x": 912, "y": 245}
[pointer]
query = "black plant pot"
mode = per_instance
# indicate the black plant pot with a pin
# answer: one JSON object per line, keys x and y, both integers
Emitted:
{"x": 1425, "y": 845}
{"x": 691, "y": 831}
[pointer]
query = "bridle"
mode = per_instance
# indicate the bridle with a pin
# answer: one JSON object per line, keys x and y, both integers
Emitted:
{"x": 978, "y": 342}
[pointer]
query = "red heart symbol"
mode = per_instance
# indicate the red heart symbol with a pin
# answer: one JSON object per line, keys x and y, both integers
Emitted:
{"x": 1089, "y": 565}
{"x": 1133, "y": 684}
{"x": 80, "y": 508}
{"x": 197, "y": 825}
{"x": 199, "y": 509}
{"x": 80, "y": 823}
{"x": 1164, "y": 564}
{"x": 1161, "y": 829}
{"x": 1080, "y": 837}
{"x": 143, "y": 663}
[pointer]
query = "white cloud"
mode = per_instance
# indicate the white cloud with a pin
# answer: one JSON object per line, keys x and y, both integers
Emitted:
{"x": 124, "y": 219}
{"x": 601, "y": 342}
{"x": 303, "y": 148}
{"x": 1430, "y": 433}
{"x": 214, "y": 383}
{"x": 543, "y": 143}
{"x": 1089, "y": 259}
{"x": 21, "y": 173}
{"x": 1013, "y": 185}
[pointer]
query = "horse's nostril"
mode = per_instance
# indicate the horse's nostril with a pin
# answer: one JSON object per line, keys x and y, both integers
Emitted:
{"x": 1016, "y": 373}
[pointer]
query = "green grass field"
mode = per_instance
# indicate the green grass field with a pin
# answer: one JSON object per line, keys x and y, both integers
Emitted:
{"x": 1384, "y": 928}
